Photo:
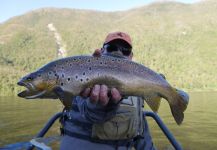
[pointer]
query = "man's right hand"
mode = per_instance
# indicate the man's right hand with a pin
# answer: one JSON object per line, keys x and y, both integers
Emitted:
{"x": 99, "y": 94}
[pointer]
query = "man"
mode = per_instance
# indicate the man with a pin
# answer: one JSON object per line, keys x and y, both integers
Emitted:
{"x": 100, "y": 118}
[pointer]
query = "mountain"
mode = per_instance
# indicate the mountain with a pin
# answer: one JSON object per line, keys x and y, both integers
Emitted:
{"x": 176, "y": 39}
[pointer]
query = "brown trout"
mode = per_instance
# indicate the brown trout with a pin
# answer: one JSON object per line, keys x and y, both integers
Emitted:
{"x": 67, "y": 77}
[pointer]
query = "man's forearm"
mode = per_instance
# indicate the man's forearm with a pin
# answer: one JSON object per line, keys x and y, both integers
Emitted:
{"x": 96, "y": 113}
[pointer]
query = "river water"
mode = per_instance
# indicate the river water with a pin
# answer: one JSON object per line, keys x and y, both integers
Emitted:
{"x": 21, "y": 119}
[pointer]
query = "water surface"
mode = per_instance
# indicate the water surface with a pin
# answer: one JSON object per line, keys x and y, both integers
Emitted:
{"x": 21, "y": 119}
{"x": 199, "y": 129}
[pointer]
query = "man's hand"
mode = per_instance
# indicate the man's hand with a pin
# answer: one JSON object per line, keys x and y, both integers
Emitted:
{"x": 99, "y": 94}
{"x": 97, "y": 53}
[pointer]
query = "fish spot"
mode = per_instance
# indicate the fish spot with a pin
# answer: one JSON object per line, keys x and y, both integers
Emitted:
{"x": 61, "y": 84}
{"x": 81, "y": 80}
{"x": 70, "y": 65}
{"x": 49, "y": 72}
{"x": 76, "y": 77}
{"x": 63, "y": 75}
{"x": 90, "y": 68}
{"x": 55, "y": 65}
{"x": 101, "y": 63}
{"x": 62, "y": 67}
{"x": 84, "y": 73}
{"x": 88, "y": 60}
{"x": 55, "y": 74}
{"x": 87, "y": 79}
{"x": 39, "y": 75}
{"x": 69, "y": 79}
{"x": 113, "y": 60}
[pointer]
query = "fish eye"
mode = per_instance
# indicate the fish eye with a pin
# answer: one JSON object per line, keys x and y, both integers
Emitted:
{"x": 50, "y": 73}
{"x": 29, "y": 78}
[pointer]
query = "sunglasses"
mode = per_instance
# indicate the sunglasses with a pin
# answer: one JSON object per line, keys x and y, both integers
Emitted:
{"x": 112, "y": 48}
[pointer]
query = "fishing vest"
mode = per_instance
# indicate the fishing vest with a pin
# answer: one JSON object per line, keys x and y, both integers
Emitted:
{"x": 126, "y": 124}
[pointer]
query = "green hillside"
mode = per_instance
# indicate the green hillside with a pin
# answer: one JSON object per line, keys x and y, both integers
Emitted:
{"x": 176, "y": 39}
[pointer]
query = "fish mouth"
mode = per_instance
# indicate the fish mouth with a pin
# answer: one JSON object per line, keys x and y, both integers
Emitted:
{"x": 31, "y": 92}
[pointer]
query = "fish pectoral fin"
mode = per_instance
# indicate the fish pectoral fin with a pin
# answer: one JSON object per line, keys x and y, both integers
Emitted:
{"x": 65, "y": 97}
{"x": 153, "y": 102}
{"x": 59, "y": 92}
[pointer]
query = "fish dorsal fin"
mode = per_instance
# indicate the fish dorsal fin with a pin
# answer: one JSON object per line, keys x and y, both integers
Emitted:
{"x": 153, "y": 102}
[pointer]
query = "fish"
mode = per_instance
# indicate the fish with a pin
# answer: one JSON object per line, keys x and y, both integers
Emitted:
{"x": 67, "y": 77}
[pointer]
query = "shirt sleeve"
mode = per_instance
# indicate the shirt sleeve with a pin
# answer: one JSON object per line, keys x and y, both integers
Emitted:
{"x": 96, "y": 113}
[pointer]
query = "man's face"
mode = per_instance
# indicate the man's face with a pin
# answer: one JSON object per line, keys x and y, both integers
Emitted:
{"x": 118, "y": 48}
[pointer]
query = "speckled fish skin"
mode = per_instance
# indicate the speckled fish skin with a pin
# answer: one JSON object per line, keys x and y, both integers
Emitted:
{"x": 73, "y": 74}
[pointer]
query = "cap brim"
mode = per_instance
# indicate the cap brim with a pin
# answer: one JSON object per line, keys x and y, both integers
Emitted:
{"x": 112, "y": 40}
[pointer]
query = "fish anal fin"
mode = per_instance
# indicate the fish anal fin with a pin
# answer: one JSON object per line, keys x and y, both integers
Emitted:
{"x": 153, "y": 102}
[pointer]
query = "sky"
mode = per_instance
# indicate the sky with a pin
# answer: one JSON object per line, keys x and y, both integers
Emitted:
{"x": 11, "y": 8}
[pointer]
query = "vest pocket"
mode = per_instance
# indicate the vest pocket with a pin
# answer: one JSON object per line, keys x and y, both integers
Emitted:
{"x": 123, "y": 126}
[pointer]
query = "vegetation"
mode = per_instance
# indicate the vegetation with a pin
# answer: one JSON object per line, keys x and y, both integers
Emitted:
{"x": 175, "y": 39}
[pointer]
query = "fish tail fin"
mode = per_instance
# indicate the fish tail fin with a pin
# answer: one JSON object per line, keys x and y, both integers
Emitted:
{"x": 153, "y": 103}
{"x": 177, "y": 114}
{"x": 181, "y": 101}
